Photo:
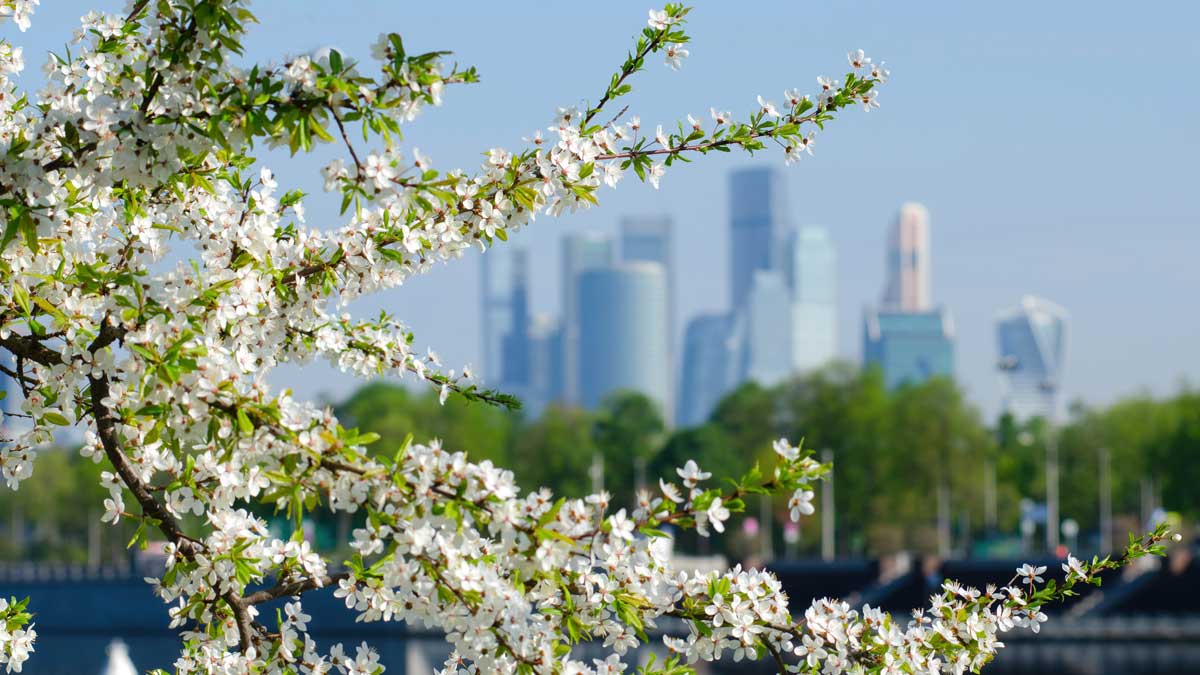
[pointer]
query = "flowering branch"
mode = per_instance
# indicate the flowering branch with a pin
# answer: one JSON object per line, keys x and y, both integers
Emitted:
{"x": 140, "y": 143}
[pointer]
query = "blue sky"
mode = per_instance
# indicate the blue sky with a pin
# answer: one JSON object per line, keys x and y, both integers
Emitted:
{"x": 1055, "y": 145}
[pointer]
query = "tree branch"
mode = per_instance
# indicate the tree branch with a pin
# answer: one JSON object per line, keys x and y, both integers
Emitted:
{"x": 285, "y": 589}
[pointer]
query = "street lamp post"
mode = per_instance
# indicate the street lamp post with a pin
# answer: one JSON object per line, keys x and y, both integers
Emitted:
{"x": 827, "y": 519}
{"x": 1105, "y": 502}
{"x": 1052, "y": 523}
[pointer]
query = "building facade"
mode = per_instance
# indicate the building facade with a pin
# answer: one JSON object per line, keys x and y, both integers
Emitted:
{"x": 709, "y": 357}
{"x": 496, "y": 290}
{"x": 812, "y": 277}
{"x": 580, "y": 252}
{"x": 758, "y": 227}
{"x": 767, "y": 356}
{"x": 909, "y": 285}
{"x": 506, "y": 320}
{"x": 623, "y": 341}
{"x": 545, "y": 364}
{"x": 648, "y": 239}
{"x": 1031, "y": 340}
{"x": 909, "y": 347}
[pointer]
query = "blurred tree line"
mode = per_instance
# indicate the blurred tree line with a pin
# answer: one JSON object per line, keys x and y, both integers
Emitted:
{"x": 894, "y": 451}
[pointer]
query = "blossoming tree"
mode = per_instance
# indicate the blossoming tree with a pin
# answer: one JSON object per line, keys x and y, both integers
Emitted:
{"x": 141, "y": 143}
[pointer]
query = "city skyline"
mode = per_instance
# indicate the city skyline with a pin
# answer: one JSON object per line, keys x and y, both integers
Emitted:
{"x": 1104, "y": 230}
{"x": 615, "y": 326}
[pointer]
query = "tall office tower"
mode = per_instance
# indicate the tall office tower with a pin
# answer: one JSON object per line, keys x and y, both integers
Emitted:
{"x": 496, "y": 290}
{"x": 812, "y": 276}
{"x": 709, "y": 356}
{"x": 648, "y": 238}
{"x": 506, "y": 319}
{"x": 909, "y": 347}
{"x": 1031, "y": 339}
{"x": 908, "y": 265}
{"x": 581, "y": 252}
{"x": 516, "y": 343}
{"x": 545, "y": 364}
{"x": 758, "y": 227}
{"x": 623, "y": 333}
{"x": 767, "y": 355}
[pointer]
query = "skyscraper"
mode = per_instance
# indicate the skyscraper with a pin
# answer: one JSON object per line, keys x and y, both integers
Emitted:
{"x": 909, "y": 347}
{"x": 545, "y": 364}
{"x": 506, "y": 318}
{"x": 623, "y": 341}
{"x": 758, "y": 227}
{"x": 496, "y": 290}
{"x": 909, "y": 286}
{"x": 709, "y": 358}
{"x": 648, "y": 239}
{"x": 1031, "y": 340}
{"x": 581, "y": 252}
{"x": 812, "y": 276}
{"x": 907, "y": 338}
{"x": 515, "y": 372}
{"x": 767, "y": 357}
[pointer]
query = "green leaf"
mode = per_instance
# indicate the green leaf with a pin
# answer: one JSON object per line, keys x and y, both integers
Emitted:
{"x": 56, "y": 418}
{"x": 244, "y": 422}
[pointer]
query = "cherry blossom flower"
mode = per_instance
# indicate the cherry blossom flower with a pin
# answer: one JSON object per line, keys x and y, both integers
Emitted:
{"x": 800, "y": 504}
{"x": 674, "y": 56}
{"x": 691, "y": 473}
{"x": 1031, "y": 573}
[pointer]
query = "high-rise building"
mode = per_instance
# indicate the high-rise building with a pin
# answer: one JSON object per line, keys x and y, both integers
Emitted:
{"x": 709, "y": 359}
{"x": 506, "y": 319}
{"x": 758, "y": 227}
{"x": 580, "y": 252}
{"x": 909, "y": 284}
{"x": 648, "y": 239}
{"x": 1031, "y": 340}
{"x": 811, "y": 267}
{"x": 623, "y": 341}
{"x": 545, "y": 364}
{"x": 907, "y": 338}
{"x": 909, "y": 347}
{"x": 767, "y": 357}
{"x": 496, "y": 290}
{"x": 515, "y": 371}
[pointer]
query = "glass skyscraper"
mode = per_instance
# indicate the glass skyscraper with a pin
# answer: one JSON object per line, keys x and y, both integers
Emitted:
{"x": 811, "y": 267}
{"x": 767, "y": 357}
{"x": 758, "y": 227}
{"x": 909, "y": 347}
{"x": 545, "y": 364}
{"x": 623, "y": 341}
{"x": 496, "y": 289}
{"x": 907, "y": 338}
{"x": 580, "y": 252}
{"x": 506, "y": 318}
{"x": 648, "y": 239}
{"x": 1031, "y": 339}
{"x": 909, "y": 285}
{"x": 709, "y": 358}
